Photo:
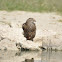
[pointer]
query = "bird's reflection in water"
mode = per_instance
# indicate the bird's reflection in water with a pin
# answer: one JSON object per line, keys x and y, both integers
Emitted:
{"x": 19, "y": 56}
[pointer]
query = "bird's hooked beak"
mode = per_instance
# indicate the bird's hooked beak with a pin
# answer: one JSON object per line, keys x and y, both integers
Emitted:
{"x": 34, "y": 20}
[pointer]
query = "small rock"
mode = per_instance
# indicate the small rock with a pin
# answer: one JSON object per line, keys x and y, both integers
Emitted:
{"x": 5, "y": 49}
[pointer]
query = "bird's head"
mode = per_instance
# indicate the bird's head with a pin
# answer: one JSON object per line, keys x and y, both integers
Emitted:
{"x": 30, "y": 20}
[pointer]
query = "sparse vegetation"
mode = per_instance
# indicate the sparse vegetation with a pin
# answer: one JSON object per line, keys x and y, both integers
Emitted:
{"x": 32, "y": 5}
{"x": 59, "y": 20}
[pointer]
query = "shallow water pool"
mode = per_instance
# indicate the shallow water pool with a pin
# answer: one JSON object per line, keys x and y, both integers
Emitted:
{"x": 44, "y": 56}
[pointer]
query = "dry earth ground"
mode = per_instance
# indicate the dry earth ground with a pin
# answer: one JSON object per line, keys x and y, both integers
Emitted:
{"x": 48, "y": 34}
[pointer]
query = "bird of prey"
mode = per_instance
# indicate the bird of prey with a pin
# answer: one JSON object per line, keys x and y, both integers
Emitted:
{"x": 29, "y": 29}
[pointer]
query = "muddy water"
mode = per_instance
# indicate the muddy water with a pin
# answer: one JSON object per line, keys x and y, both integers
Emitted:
{"x": 44, "y": 56}
{"x": 51, "y": 56}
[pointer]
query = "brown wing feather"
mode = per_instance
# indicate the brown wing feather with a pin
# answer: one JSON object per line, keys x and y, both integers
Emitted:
{"x": 29, "y": 30}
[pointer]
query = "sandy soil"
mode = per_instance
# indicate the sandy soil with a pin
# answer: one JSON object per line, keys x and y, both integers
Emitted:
{"x": 49, "y": 31}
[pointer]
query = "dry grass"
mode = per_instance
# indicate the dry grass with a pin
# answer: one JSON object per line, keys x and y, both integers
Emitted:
{"x": 59, "y": 20}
